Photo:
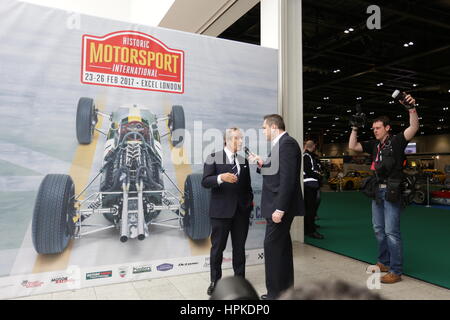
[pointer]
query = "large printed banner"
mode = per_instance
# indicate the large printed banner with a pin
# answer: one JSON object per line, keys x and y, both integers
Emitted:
{"x": 110, "y": 120}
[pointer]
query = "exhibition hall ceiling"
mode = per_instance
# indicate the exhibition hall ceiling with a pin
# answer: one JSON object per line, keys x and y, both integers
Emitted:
{"x": 345, "y": 63}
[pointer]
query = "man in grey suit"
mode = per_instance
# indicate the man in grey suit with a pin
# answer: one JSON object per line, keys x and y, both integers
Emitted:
{"x": 281, "y": 200}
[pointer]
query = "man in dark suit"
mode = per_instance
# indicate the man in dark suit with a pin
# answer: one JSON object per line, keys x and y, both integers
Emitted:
{"x": 228, "y": 176}
{"x": 281, "y": 200}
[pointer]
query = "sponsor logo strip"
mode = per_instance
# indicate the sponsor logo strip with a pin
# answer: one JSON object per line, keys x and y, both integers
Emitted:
{"x": 98, "y": 275}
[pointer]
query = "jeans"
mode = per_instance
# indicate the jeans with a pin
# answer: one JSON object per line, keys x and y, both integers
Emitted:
{"x": 386, "y": 224}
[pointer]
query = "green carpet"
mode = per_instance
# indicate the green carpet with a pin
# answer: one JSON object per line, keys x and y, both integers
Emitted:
{"x": 346, "y": 223}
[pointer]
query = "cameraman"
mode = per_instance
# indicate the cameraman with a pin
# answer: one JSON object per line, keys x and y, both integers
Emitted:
{"x": 388, "y": 155}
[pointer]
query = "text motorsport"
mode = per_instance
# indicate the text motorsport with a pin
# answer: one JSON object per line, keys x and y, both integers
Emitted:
{"x": 131, "y": 59}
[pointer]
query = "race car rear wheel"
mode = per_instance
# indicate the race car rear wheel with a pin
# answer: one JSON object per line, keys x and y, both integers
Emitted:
{"x": 53, "y": 224}
{"x": 86, "y": 120}
{"x": 177, "y": 125}
{"x": 196, "y": 219}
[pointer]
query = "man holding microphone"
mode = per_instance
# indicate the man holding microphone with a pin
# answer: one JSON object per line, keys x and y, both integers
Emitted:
{"x": 281, "y": 200}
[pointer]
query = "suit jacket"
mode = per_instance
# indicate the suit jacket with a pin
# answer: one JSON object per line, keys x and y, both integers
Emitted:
{"x": 281, "y": 179}
{"x": 227, "y": 197}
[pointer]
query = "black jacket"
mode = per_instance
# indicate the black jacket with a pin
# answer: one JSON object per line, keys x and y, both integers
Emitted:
{"x": 281, "y": 179}
{"x": 311, "y": 167}
{"x": 227, "y": 197}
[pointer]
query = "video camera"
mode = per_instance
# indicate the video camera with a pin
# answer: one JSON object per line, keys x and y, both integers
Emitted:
{"x": 359, "y": 118}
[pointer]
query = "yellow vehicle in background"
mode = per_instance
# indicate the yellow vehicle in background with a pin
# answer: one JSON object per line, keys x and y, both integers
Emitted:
{"x": 351, "y": 181}
{"x": 436, "y": 175}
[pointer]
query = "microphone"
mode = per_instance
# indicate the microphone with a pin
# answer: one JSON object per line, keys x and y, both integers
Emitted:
{"x": 247, "y": 151}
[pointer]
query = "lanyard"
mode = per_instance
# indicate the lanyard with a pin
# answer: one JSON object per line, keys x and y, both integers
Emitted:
{"x": 379, "y": 157}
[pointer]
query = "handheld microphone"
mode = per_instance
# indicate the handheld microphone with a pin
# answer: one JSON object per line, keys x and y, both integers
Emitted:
{"x": 247, "y": 151}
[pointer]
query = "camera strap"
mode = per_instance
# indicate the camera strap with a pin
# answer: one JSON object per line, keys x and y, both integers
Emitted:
{"x": 380, "y": 147}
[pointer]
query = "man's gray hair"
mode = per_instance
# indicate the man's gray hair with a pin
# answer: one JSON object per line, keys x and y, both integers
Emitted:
{"x": 228, "y": 133}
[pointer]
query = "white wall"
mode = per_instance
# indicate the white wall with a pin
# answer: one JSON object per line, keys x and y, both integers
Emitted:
{"x": 147, "y": 12}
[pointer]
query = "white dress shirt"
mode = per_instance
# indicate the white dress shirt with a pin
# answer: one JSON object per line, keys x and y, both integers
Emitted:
{"x": 274, "y": 141}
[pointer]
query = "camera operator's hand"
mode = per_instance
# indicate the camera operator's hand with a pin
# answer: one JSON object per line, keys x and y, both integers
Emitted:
{"x": 409, "y": 102}
{"x": 357, "y": 120}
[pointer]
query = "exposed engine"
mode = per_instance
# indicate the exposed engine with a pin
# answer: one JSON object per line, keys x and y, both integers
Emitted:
{"x": 131, "y": 162}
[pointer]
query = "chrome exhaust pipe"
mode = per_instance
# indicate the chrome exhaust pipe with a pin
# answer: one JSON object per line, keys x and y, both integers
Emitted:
{"x": 141, "y": 220}
{"x": 124, "y": 224}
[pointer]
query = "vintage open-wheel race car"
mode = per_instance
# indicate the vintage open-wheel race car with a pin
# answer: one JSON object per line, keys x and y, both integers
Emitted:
{"x": 131, "y": 195}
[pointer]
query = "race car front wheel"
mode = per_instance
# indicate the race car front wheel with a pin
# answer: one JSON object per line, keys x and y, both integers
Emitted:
{"x": 177, "y": 125}
{"x": 53, "y": 224}
{"x": 196, "y": 219}
{"x": 86, "y": 120}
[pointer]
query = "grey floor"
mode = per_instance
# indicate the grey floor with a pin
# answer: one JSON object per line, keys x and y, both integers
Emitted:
{"x": 310, "y": 263}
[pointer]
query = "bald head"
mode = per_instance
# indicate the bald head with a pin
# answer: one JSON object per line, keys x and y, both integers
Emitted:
{"x": 310, "y": 145}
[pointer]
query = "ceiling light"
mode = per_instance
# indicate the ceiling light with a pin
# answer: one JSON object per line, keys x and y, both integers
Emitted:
{"x": 439, "y": 128}
{"x": 399, "y": 116}
{"x": 315, "y": 117}
{"x": 326, "y": 98}
{"x": 372, "y": 112}
{"x": 336, "y": 71}
{"x": 445, "y": 108}
{"x": 333, "y": 125}
{"x": 406, "y": 45}
{"x": 391, "y": 102}
{"x": 422, "y": 132}
{"x": 414, "y": 84}
{"x": 358, "y": 98}
{"x": 332, "y": 140}
{"x": 324, "y": 134}
{"x": 421, "y": 125}
{"x": 402, "y": 125}
{"x": 379, "y": 84}
{"x": 309, "y": 128}
{"x": 346, "y": 31}
{"x": 420, "y": 118}
{"x": 318, "y": 108}
{"x": 411, "y": 43}
{"x": 337, "y": 118}
{"x": 328, "y": 130}
{"x": 351, "y": 29}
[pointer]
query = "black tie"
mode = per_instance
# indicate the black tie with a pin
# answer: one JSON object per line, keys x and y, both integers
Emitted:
{"x": 235, "y": 167}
